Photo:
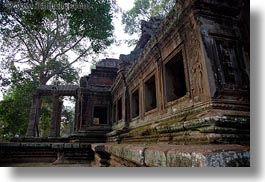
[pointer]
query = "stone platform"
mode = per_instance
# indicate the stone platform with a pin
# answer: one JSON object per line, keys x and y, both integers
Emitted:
{"x": 172, "y": 155}
{"x": 125, "y": 155}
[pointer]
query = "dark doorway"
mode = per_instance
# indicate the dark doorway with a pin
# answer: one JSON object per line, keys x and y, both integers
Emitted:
{"x": 135, "y": 104}
{"x": 175, "y": 78}
{"x": 150, "y": 94}
{"x": 100, "y": 115}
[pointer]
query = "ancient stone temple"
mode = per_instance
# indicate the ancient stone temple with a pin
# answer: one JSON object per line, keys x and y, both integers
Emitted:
{"x": 185, "y": 87}
{"x": 186, "y": 81}
{"x": 190, "y": 82}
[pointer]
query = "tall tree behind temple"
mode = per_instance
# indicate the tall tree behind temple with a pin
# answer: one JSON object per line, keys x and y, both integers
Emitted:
{"x": 38, "y": 42}
{"x": 42, "y": 38}
{"x": 144, "y": 10}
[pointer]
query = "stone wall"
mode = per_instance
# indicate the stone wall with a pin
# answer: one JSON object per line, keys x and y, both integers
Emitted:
{"x": 127, "y": 155}
{"x": 192, "y": 79}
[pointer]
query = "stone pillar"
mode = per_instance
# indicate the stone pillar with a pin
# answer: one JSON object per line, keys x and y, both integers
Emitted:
{"x": 77, "y": 114}
{"x": 88, "y": 112}
{"x": 56, "y": 116}
{"x": 127, "y": 107}
{"x": 32, "y": 130}
{"x": 81, "y": 112}
{"x": 160, "y": 86}
{"x": 141, "y": 101}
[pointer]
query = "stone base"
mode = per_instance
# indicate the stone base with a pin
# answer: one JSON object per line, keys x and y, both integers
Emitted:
{"x": 182, "y": 131}
{"x": 125, "y": 155}
{"x": 90, "y": 135}
{"x": 129, "y": 155}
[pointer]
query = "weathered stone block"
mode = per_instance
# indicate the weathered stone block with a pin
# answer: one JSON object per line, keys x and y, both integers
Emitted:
{"x": 67, "y": 145}
{"x": 134, "y": 153}
{"x": 76, "y": 145}
{"x": 58, "y": 146}
{"x": 228, "y": 159}
{"x": 116, "y": 150}
{"x": 184, "y": 159}
{"x": 156, "y": 156}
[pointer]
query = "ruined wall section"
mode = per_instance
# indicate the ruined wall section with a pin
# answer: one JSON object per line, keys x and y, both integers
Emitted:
{"x": 178, "y": 34}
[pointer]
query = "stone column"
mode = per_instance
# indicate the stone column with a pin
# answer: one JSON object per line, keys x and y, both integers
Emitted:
{"x": 56, "y": 116}
{"x": 32, "y": 130}
{"x": 88, "y": 112}
{"x": 159, "y": 83}
{"x": 77, "y": 114}
{"x": 127, "y": 107}
{"x": 141, "y": 101}
{"x": 81, "y": 112}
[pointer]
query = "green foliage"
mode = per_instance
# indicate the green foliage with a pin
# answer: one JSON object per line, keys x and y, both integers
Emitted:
{"x": 67, "y": 121}
{"x": 45, "y": 117}
{"x": 132, "y": 18}
{"x": 93, "y": 22}
{"x": 14, "y": 109}
{"x": 143, "y": 10}
{"x": 44, "y": 39}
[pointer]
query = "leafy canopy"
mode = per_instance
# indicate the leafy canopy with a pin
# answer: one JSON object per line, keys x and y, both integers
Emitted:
{"x": 50, "y": 41}
{"x": 144, "y": 10}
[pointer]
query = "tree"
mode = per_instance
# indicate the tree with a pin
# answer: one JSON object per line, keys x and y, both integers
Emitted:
{"x": 38, "y": 42}
{"x": 43, "y": 39}
{"x": 67, "y": 121}
{"x": 144, "y": 10}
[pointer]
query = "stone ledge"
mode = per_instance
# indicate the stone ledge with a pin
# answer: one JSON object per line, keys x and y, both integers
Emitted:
{"x": 179, "y": 155}
{"x": 47, "y": 145}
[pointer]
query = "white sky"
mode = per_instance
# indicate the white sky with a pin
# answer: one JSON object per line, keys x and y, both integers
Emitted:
{"x": 114, "y": 51}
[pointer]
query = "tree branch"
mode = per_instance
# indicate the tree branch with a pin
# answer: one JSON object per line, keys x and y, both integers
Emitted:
{"x": 68, "y": 65}
{"x": 29, "y": 33}
{"x": 28, "y": 50}
{"x": 68, "y": 49}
